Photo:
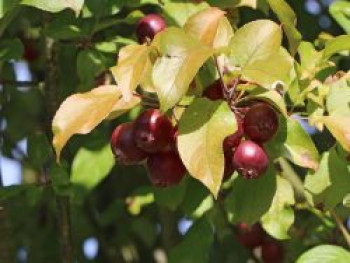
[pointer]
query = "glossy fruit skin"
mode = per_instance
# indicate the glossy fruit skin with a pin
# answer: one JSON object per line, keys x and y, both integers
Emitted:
{"x": 232, "y": 141}
{"x": 153, "y": 131}
{"x": 148, "y": 26}
{"x": 250, "y": 236}
{"x": 250, "y": 160}
{"x": 124, "y": 147}
{"x": 165, "y": 169}
{"x": 272, "y": 252}
{"x": 260, "y": 122}
{"x": 215, "y": 91}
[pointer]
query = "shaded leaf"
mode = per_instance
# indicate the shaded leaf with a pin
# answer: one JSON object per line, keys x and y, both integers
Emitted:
{"x": 90, "y": 167}
{"x": 325, "y": 254}
{"x": 182, "y": 56}
{"x": 340, "y": 11}
{"x": 133, "y": 64}
{"x": 249, "y": 200}
{"x": 280, "y": 216}
{"x": 204, "y": 25}
{"x": 11, "y": 49}
{"x": 202, "y": 130}
{"x": 82, "y": 112}
{"x": 56, "y": 5}
{"x": 201, "y": 234}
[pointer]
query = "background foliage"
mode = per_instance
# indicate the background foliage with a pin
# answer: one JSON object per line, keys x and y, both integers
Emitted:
{"x": 57, "y": 210}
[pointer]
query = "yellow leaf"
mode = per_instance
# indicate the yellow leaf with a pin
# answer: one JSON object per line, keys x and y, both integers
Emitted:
{"x": 339, "y": 126}
{"x": 123, "y": 106}
{"x": 204, "y": 25}
{"x": 82, "y": 112}
{"x": 131, "y": 68}
{"x": 224, "y": 34}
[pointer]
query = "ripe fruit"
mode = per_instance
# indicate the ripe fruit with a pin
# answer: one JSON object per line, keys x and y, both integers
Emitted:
{"x": 272, "y": 252}
{"x": 250, "y": 160}
{"x": 232, "y": 141}
{"x": 124, "y": 147}
{"x": 260, "y": 123}
{"x": 148, "y": 26}
{"x": 165, "y": 169}
{"x": 153, "y": 131}
{"x": 215, "y": 91}
{"x": 250, "y": 236}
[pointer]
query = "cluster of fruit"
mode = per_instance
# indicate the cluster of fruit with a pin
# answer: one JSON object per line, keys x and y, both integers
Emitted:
{"x": 150, "y": 137}
{"x": 254, "y": 236}
{"x": 258, "y": 123}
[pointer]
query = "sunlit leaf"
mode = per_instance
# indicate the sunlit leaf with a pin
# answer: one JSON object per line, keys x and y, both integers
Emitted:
{"x": 133, "y": 63}
{"x": 91, "y": 166}
{"x": 224, "y": 34}
{"x": 288, "y": 18}
{"x": 80, "y": 113}
{"x": 122, "y": 106}
{"x": 56, "y": 5}
{"x": 203, "y": 127}
{"x": 325, "y": 254}
{"x": 340, "y": 11}
{"x": 255, "y": 41}
{"x": 336, "y": 45}
{"x": 182, "y": 56}
{"x": 204, "y": 25}
{"x": 338, "y": 99}
{"x": 280, "y": 216}
{"x": 330, "y": 183}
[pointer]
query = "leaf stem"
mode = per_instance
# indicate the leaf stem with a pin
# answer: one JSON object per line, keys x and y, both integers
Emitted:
{"x": 221, "y": 76}
{"x": 341, "y": 227}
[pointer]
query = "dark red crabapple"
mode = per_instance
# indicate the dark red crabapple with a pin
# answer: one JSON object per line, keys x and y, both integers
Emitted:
{"x": 250, "y": 160}
{"x": 124, "y": 147}
{"x": 272, "y": 252}
{"x": 232, "y": 141}
{"x": 153, "y": 131}
{"x": 250, "y": 236}
{"x": 165, "y": 169}
{"x": 260, "y": 122}
{"x": 215, "y": 91}
{"x": 148, "y": 26}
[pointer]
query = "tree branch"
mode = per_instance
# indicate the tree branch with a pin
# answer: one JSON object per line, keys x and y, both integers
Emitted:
{"x": 341, "y": 227}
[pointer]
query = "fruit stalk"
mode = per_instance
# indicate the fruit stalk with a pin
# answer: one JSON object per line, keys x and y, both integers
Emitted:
{"x": 341, "y": 227}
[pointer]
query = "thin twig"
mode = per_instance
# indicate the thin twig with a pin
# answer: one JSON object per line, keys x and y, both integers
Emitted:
{"x": 341, "y": 227}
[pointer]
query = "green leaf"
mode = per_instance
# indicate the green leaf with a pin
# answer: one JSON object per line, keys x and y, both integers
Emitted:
{"x": 330, "y": 183}
{"x": 325, "y": 254}
{"x": 7, "y": 5}
{"x": 255, "y": 41}
{"x": 338, "y": 99}
{"x": 171, "y": 197}
{"x": 90, "y": 167}
{"x": 56, "y": 5}
{"x": 182, "y": 56}
{"x": 310, "y": 60}
{"x": 233, "y": 3}
{"x": 340, "y": 11}
{"x": 288, "y": 18}
{"x": 249, "y": 200}
{"x": 133, "y": 64}
{"x": 336, "y": 45}
{"x": 11, "y": 49}
{"x": 39, "y": 150}
{"x": 178, "y": 13}
{"x": 266, "y": 72}
{"x": 299, "y": 147}
{"x": 280, "y": 216}
{"x": 196, "y": 241}
{"x": 90, "y": 63}
{"x": 202, "y": 130}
